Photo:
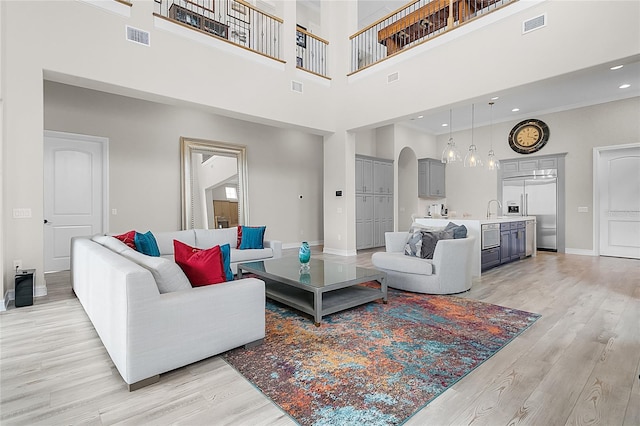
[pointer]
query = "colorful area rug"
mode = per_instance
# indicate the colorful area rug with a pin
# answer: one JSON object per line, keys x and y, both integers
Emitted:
{"x": 376, "y": 364}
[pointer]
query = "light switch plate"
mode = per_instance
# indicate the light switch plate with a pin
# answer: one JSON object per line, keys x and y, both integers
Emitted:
{"x": 583, "y": 209}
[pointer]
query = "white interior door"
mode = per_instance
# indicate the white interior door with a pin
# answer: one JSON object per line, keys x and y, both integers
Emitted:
{"x": 619, "y": 201}
{"x": 74, "y": 193}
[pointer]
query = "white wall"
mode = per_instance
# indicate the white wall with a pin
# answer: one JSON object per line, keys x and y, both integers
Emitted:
{"x": 575, "y": 132}
{"x": 84, "y": 45}
{"x": 144, "y": 160}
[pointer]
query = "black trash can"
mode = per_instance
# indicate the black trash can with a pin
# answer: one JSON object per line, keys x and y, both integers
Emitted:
{"x": 24, "y": 287}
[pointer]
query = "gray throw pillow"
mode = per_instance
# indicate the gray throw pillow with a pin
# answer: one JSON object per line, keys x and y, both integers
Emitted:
{"x": 413, "y": 247}
{"x": 429, "y": 241}
{"x": 459, "y": 231}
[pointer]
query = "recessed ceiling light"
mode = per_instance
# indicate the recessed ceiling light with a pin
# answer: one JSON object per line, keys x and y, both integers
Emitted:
{"x": 617, "y": 67}
{"x": 445, "y": 125}
{"x": 495, "y": 98}
{"x": 625, "y": 86}
{"x": 515, "y": 110}
{"x": 421, "y": 116}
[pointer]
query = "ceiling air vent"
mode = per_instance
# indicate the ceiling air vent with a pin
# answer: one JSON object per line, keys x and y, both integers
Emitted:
{"x": 392, "y": 78}
{"x": 137, "y": 36}
{"x": 534, "y": 23}
{"x": 296, "y": 86}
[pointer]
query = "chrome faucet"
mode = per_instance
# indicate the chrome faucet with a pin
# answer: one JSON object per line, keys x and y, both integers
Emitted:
{"x": 489, "y": 205}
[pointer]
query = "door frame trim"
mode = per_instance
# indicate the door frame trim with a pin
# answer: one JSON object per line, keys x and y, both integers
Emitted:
{"x": 597, "y": 158}
{"x": 104, "y": 142}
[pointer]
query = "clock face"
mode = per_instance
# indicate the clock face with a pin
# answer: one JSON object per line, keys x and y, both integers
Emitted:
{"x": 528, "y": 136}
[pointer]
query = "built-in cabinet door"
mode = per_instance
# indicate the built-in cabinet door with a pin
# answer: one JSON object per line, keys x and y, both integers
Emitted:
{"x": 423, "y": 179}
{"x": 431, "y": 175}
{"x": 364, "y": 221}
{"x": 364, "y": 175}
{"x": 505, "y": 246}
{"x": 436, "y": 179}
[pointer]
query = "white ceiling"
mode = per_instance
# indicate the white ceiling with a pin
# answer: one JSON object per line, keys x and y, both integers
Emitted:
{"x": 582, "y": 88}
{"x": 579, "y": 89}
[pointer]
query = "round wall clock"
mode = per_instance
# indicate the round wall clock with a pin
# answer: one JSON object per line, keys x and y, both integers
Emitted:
{"x": 528, "y": 136}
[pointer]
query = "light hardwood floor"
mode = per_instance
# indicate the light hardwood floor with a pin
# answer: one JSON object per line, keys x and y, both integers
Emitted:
{"x": 578, "y": 364}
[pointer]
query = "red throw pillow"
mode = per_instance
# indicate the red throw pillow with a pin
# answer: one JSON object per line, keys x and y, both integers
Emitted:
{"x": 129, "y": 238}
{"x": 239, "y": 241}
{"x": 202, "y": 267}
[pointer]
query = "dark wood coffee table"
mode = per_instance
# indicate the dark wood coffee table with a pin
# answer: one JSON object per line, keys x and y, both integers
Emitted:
{"x": 326, "y": 288}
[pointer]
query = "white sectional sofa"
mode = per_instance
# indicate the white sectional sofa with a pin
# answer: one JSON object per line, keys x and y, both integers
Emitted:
{"x": 147, "y": 332}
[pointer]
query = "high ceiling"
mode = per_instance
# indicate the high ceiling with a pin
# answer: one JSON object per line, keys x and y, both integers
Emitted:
{"x": 582, "y": 88}
{"x": 579, "y": 89}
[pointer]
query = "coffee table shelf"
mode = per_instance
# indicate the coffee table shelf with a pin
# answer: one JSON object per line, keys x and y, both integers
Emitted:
{"x": 324, "y": 289}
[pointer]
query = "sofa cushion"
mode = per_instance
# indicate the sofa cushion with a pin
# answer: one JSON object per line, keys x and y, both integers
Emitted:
{"x": 430, "y": 239}
{"x": 201, "y": 266}
{"x": 111, "y": 243}
{"x": 146, "y": 244}
{"x": 206, "y": 238}
{"x": 251, "y": 237}
{"x": 168, "y": 275}
{"x": 251, "y": 254}
{"x": 165, "y": 240}
{"x": 401, "y": 263}
{"x": 128, "y": 238}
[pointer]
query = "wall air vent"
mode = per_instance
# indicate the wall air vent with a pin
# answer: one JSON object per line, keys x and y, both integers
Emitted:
{"x": 534, "y": 23}
{"x": 296, "y": 86}
{"x": 392, "y": 78}
{"x": 138, "y": 36}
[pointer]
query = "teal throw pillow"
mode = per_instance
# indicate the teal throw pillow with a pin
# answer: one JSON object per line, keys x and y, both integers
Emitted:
{"x": 146, "y": 244}
{"x": 252, "y": 237}
{"x": 226, "y": 261}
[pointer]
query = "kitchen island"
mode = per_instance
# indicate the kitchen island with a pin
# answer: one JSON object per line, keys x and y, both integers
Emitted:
{"x": 494, "y": 255}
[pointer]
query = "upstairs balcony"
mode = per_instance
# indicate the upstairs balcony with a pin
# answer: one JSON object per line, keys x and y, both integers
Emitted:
{"x": 244, "y": 25}
{"x": 414, "y": 24}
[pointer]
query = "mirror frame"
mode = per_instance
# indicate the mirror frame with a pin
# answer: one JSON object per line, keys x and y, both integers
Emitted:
{"x": 188, "y": 146}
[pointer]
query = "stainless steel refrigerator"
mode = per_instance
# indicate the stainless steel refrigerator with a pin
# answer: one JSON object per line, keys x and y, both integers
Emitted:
{"x": 534, "y": 195}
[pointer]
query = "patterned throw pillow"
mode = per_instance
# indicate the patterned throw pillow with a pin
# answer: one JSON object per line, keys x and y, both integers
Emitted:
{"x": 128, "y": 238}
{"x": 429, "y": 241}
{"x": 413, "y": 247}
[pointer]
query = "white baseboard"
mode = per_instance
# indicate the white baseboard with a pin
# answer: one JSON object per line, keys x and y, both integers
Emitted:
{"x": 581, "y": 252}
{"x": 340, "y": 252}
{"x": 39, "y": 291}
{"x": 297, "y": 245}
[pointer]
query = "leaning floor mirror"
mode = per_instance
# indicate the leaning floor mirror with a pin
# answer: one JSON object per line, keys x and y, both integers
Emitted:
{"x": 214, "y": 184}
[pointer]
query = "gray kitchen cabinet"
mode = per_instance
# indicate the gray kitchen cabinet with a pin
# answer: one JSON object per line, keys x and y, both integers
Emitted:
{"x": 365, "y": 207}
{"x": 529, "y": 164}
{"x": 512, "y": 241}
{"x": 431, "y": 178}
{"x": 364, "y": 175}
{"x": 374, "y": 201}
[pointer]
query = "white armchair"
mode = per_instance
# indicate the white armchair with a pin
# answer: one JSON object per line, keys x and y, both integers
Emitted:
{"x": 448, "y": 272}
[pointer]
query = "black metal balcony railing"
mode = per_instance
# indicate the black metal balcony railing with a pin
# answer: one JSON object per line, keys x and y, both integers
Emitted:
{"x": 413, "y": 24}
{"x": 235, "y": 21}
{"x": 311, "y": 52}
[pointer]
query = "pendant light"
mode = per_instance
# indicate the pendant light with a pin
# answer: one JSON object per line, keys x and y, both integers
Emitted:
{"x": 492, "y": 161}
{"x": 472, "y": 159}
{"x": 451, "y": 153}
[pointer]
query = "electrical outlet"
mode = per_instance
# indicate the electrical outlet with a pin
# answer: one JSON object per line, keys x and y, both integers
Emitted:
{"x": 17, "y": 264}
{"x": 583, "y": 209}
{"x": 339, "y": 237}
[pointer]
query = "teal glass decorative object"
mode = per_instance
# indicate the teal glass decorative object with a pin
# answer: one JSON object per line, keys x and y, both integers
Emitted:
{"x": 304, "y": 254}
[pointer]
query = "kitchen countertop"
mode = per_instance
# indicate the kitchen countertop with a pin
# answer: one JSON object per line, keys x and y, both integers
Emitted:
{"x": 484, "y": 220}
